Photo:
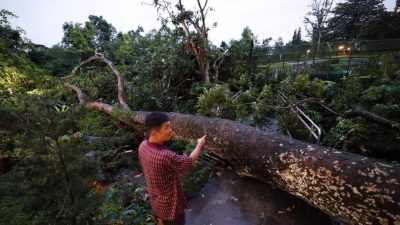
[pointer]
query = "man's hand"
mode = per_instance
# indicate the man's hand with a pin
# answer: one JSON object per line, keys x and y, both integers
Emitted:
{"x": 201, "y": 141}
{"x": 195, "y": 153}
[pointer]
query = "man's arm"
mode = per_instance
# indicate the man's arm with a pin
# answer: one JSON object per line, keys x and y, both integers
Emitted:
{"x": 195, "y": 153}
{"x": 181, "y": 164}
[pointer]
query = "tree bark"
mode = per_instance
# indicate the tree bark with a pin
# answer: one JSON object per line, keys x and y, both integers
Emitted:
{"x": 357, "y": 189}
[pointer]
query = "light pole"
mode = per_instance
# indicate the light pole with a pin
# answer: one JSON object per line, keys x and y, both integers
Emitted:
{"x": 307, "y": 53}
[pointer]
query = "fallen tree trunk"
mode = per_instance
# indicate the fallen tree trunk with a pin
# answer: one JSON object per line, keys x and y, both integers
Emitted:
{"x": 357, "y": 189}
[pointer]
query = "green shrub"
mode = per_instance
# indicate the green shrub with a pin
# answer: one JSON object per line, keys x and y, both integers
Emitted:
{"x": 95, "y": 123}
{"x": 123, "y": 203}
{"x": 216, "y": 102}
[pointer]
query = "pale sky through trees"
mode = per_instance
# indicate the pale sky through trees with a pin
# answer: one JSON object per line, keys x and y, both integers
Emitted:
{"x": 42, "y": 19}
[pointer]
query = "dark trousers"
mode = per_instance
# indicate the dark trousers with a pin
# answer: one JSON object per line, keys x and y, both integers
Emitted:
{"x": 180, "y": 220}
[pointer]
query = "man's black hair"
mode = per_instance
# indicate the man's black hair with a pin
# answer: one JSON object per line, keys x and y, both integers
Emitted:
{"x": 154, "y": 121}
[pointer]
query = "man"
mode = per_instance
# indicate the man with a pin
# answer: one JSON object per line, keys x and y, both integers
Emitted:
{"x": 163, "y": 168}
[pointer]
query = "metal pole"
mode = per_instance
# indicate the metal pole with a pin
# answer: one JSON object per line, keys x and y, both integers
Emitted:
{"x": 298, "y": 61}
{"x": 348, "y": 66}
{"x": 313, "y": 62}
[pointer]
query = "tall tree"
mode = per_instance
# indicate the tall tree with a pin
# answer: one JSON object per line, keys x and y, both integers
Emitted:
{"x": 279, "y": 47}
{"x": 191, "y": 23}
{"x": 350, "y": 16}
{"x": 9, "y": 38}
{"x": 94, "y": 35}
{"x": 105, "y": 32}
{"x": 79, "y": 38}
{"x": 316, "y": 20}
{"x": 296, "y": 38}
{"x": 59, "y": 61}
{"x": 387, "y": 26}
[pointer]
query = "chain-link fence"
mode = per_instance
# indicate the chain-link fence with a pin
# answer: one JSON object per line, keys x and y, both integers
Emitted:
{"x": 329, "y": 60}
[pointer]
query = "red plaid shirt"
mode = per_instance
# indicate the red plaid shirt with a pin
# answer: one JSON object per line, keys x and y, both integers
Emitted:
{"x": 162, "y": 170}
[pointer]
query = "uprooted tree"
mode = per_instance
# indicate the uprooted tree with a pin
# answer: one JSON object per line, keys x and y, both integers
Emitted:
{"x": 357, "y": 189}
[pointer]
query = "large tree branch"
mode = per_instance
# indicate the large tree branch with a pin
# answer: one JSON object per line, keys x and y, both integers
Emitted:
{"x": 189, "y": 36}
{"x": 216, "y": 65}
{"x": 367, "y": 115}
{"x": 122, "y": 114}
{"x": 120, "y": 85}
{"x": 374, "y": 118}
{"x": 203, "y": 18}
{"x": 79, "y": 93}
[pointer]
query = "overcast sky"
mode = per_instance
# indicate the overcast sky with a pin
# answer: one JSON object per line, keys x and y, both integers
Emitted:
{"x": 42, "y": 19}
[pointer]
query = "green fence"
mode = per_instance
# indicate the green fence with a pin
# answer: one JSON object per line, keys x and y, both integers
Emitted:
{"x": 329, "y": 60}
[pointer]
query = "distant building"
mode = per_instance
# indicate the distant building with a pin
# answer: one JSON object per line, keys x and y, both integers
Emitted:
{"x": 397, "y": 9}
